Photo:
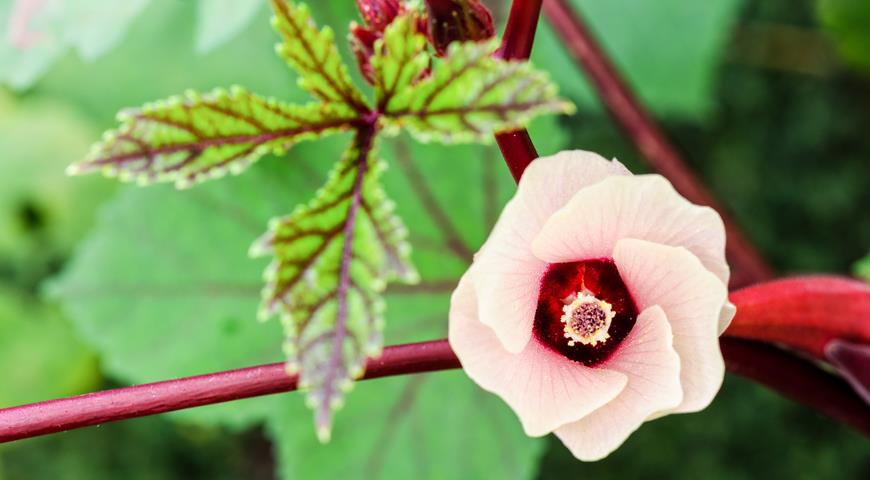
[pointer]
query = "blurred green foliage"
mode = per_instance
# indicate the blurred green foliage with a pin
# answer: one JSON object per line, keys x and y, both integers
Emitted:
{"x": 42, "y": 216}
{"x": 862, "y": 268}
{"x": 786, "y": 152}
{"x": 141, "y": 449}
{"x": 38, "y": 351}
{"x": 42, "y": 213}
{"x": 37, "y": 33}
{"x": 848, "y": 24}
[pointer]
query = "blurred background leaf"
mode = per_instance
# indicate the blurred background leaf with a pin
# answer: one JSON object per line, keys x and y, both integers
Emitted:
{"x": 218, "y": 21}
{"x": 42, "y": 213}
{"x": 36, "y": 33}
{"x": 668, "y": 50}
{"x": 39, "y": 353}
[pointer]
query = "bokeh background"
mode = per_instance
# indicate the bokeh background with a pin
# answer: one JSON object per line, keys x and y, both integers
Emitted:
{"x": 103, "y": 285}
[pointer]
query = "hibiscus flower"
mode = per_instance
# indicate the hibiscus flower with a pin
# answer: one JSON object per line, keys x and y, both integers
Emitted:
{"x": 596, "y": 303}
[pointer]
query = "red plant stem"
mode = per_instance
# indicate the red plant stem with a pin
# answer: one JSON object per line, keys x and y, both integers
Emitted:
{"x": 519, "y": 32}
{"x": 153, "y": 398}
{"x": 517, "y": 149}
{"x": 519, "y": 35}
{"x": 792, "y": 376}
{"x": 638, "y": 124}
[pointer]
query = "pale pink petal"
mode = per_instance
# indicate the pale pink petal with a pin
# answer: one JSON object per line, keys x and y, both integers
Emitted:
{"x": 648, "y": 358}
{"x": 507, "y": 274}
{"x": 692, "y": 298}
{"x": 507, "y": 277}
{"x": 550, "y": 182}
{"x": 543, "y": 388}
{"x": 645, "y": 207}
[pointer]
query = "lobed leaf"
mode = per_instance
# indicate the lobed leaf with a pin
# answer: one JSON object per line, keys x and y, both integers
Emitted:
{"x": 399, "y": 60}
{"x": 198, "y": 137}
{"x": 471, "y": 95}
{"x": 313, "y": 55}
{"x": 333, "y": 258}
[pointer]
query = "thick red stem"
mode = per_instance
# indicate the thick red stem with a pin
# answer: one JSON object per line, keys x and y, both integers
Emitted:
{"x": 153, "y": 398}
{"x": 518, "y": 151}
{"x": 519, "y": 32}
{"x": 516, "y": 44}
{"x": 629, "y": 113}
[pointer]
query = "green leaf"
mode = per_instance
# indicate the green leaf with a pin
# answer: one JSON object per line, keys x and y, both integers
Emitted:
{"x": 199, "y": 137}
{"x": 470, "y": 95}
{"x": 312, "y": 53}
{"x": 669, "y": 51}
{"x": 333, "y": 259}
{"x": 399, "y": 60}
{"x": 848, "y": 23}
{"x": 218, "y": 21}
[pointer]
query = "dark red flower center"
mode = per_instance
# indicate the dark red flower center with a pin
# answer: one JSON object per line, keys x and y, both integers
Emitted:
{"x": 584, "y": 310}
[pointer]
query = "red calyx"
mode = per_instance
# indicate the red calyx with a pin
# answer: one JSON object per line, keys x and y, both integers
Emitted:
{"x": 457, "y": 20}
{"x": 827, "y": 318}
{"x": 597, "y": 277}
{"x": 804, "y": 313}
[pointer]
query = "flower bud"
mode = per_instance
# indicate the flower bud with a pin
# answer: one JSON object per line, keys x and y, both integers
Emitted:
{"x": 457, "y": 20}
